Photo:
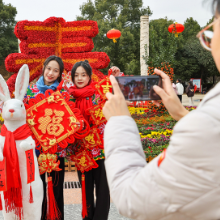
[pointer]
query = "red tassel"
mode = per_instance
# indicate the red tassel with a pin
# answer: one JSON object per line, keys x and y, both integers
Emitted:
{"x": 31, "y": 200}
{"x": 13, "y": 202}
{"x": 84, "y": 206}
{"x": 53, "y": 212}
{"x": 1, "y": 208}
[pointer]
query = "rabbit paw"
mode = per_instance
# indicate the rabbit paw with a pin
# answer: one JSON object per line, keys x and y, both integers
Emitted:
{"x": 27, "y": 145}
{"x": 1, "y": 156}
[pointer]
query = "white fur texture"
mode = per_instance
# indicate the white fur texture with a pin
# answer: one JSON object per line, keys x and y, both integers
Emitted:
{"x": 14, "y": 115}
{"x": 22, "y": 82}
{"x": 4, "y": 91}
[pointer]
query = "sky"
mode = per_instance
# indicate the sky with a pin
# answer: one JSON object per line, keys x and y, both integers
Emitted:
{"x": 179, "y": 10}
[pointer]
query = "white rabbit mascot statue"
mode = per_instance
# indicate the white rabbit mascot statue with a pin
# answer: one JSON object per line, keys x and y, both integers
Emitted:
{"x": 15, "y": 142}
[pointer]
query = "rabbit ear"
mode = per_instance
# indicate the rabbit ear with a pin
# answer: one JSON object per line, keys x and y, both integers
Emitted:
{"x": 22, "y": 82}
{"x": 4, "y": 91}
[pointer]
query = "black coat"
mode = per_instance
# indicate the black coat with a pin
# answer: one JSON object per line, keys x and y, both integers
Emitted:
{"x": 190, "y": 91}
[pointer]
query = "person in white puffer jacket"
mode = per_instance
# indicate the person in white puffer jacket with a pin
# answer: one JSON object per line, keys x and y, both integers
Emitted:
{"x": 180, "y": 89}
{"x": 181, "y": 183}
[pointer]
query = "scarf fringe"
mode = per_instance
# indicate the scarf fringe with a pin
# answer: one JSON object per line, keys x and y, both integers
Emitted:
{"x": 13, "y": 202}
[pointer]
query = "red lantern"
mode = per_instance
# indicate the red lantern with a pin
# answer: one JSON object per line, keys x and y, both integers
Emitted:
{"x": 114, "y": 34}
{"x": 176, "y": 29}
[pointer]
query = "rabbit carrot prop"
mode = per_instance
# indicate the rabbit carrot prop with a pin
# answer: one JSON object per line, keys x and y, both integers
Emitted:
{"x": 16, "y": 148}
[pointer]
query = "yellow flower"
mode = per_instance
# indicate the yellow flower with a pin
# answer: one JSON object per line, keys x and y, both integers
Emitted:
{"x": 1, "y": 119}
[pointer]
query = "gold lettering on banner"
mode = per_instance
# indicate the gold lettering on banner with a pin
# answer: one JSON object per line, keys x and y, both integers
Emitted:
{"x": 106, "y": 87}
{"x": 90, "y": 138}
{"x": 82, "y": 161}
{"x": 54, "y": 128}
{"x": 99, "y": 114}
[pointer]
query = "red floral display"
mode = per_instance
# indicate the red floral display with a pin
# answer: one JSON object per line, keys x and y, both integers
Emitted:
{"x": 166, "y": 68}
{"x": 72, "y": 41}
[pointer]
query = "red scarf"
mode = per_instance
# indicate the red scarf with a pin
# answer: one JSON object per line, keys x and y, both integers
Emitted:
{"x": 13, "y": 195}
{"x": 83, "y": 98}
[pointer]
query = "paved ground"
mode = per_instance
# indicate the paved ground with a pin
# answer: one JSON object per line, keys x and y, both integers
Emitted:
{"x": 73, "y": 212}
{"x": 197, "y": 99}
{"x": 72, "y": 201}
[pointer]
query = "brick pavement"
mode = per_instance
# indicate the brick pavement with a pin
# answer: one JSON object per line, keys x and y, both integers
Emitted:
{"x": 72, "y": 196}
{"x": 73, "y": 201}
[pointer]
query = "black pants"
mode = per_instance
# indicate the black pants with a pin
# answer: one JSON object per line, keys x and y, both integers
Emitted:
{"x": 180, "y": 97}
{"x": 58, "y": 179}
{"x": 100, "y": 210}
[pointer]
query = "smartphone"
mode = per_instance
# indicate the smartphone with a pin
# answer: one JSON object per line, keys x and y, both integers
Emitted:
{"x": 139, "y": 88}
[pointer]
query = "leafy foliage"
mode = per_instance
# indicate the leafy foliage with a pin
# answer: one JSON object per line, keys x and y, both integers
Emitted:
{"x": 185, "y": 53}
{"x": 197, "y": 62}
{"x": 8, "y": 41}
{"x": 163, "y": 46}
{"x": 123, "y": 15}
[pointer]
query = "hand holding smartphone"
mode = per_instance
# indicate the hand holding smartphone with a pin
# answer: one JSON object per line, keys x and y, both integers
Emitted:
{"x": 139, "y": 88}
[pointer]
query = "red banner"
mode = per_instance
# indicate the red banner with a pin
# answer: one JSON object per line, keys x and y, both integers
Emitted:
{"x": 103, "y": 87}
{"x": 93, "y": 139}
{"x": 96, "y": 113}
{"x": 30, "y": 165}
{"x": 52, "y": 120}
{"x": 3, "y": 180}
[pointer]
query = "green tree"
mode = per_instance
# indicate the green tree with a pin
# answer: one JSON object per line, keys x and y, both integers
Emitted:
{"x": 192, "y": 60}
{"x": 196, "y": 62}
{"x": 123, "y": 15}
{"x": 192, "y": 27}
{"x": 184, "y": 54}
{"x": 8, "y": 41}
{"x": 187, "y": 66}
{"x": 162, "y": 44}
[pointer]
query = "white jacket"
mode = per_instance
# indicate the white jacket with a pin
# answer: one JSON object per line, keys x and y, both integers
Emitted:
{"x": 186, "y": 186}
{"x": 180, "y": 89}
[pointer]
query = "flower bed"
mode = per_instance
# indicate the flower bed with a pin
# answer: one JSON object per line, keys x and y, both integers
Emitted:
{"x": 155, "y": 129}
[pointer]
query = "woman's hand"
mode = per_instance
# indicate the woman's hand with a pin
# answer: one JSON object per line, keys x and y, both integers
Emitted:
{"x": 116, "y": 104}
{"x": 115, "y": 71}
{"x": 169, "y": 97}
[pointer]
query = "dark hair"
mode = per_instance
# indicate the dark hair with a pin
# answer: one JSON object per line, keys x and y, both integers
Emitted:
{"x": 216, "y": 6}
{"x": 85, "y": 65}
{"x": 59, "y": 61}
{"x": 191, "y": 83}
{"x": 179, "y": 80}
